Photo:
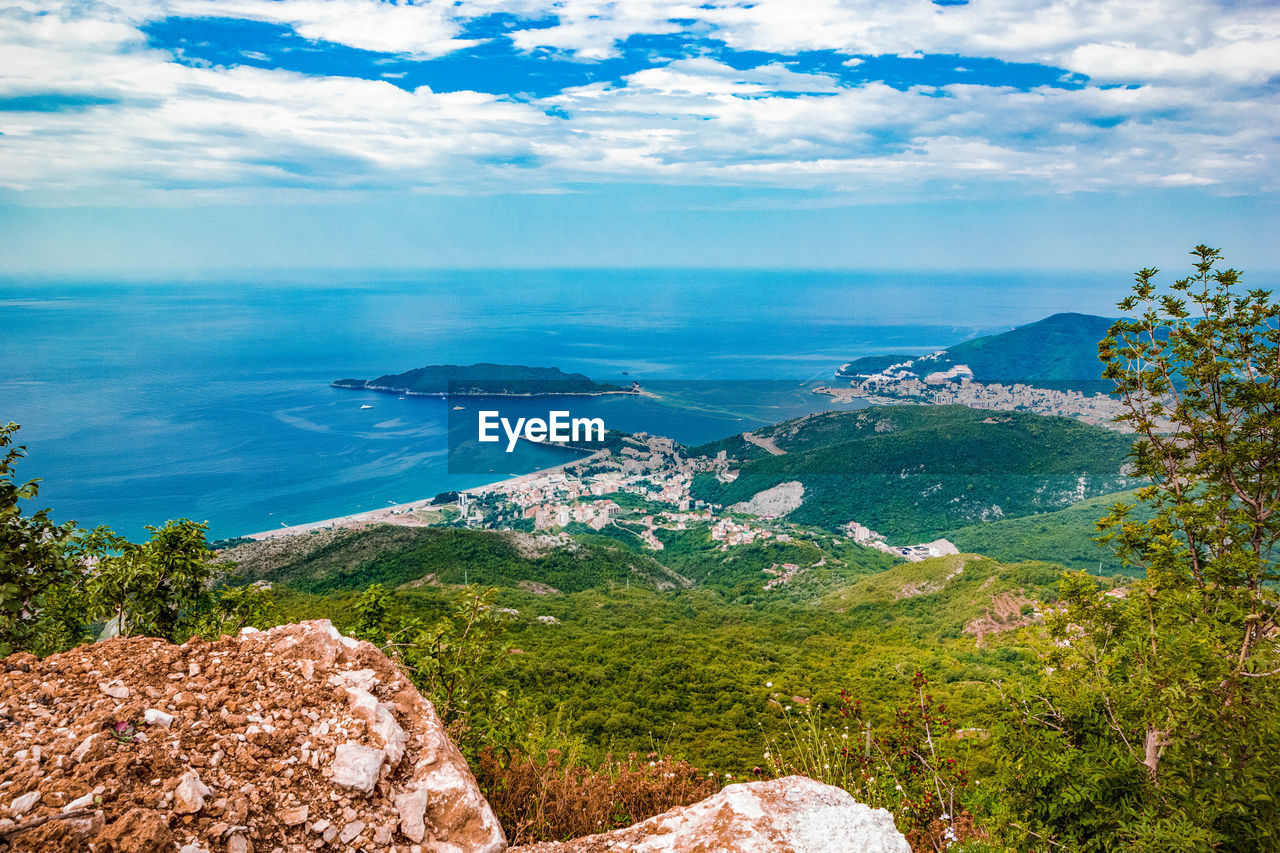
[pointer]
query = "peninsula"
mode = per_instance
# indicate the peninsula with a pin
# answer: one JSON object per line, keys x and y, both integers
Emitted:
{"x": 1060, "y": 352}
{"x": 486, "y": 380}
{"x": 1049, "y": 367}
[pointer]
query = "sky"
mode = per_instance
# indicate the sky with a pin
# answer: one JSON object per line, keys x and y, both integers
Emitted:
{"x": 192, "y": 137}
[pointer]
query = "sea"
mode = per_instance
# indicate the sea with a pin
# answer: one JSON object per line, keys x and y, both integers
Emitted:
{"x": 142, "y": 401}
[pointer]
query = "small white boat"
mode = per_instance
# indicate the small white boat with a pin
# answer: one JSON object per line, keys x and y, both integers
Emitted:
{"x": 366, "y": 406}
{"x": 458, "y": 408}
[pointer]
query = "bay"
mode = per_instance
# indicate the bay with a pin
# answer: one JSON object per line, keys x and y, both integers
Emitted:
{"x": 144, "y": 401}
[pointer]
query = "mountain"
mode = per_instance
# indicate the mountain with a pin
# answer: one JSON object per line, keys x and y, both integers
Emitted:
{"x": 913, "y": 473}
{"x": 482, "y": 379}
{"x": 430, "y": 556}
{"x": 1061, "y": 349}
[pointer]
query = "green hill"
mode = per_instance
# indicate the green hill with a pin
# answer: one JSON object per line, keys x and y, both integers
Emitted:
{"x": 1065, "y": 537}
{"x": 702, "y": 675}
{"x": 913, "y": 473}
{"x": 759, "y": 571}
{"x": 482, "y": 379}
{"x": 1058, "y": 351}
{"x": 427, "y": 556}
{"x": 943, "y": 594}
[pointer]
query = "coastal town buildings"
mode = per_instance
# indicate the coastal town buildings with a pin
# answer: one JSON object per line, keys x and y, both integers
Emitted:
{"x": 644, "y": 490}
{"x": 956, "y": 386}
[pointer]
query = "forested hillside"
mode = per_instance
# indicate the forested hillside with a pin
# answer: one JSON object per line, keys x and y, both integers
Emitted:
{"x": 693, "y": 672}
{"x": 396, "y": 556}
{"x": 1058, "y": 351}
{"x": 1067, "y": 536}
{"x": 914, "y": 473}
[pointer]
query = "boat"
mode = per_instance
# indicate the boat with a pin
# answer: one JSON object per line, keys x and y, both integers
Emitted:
{"x": 458, "y": 408}
{"x": 366, "y": 406}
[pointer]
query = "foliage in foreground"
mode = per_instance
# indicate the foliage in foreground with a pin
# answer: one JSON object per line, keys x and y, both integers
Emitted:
{"x": 59, "y": 584}
{"x": 556, "y": 797}
{"x": 914, "y": 766}
{"x": 37, "y": 568}
{"x": 1157, "y": 726}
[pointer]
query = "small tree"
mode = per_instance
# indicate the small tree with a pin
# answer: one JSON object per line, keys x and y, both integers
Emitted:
{"x": 40, "y": 610}
{"x": 371, "y": 614}
{"x": 159, "y": 587}
{"x": 236, "y": 607}
{"x": 1159, "y": 725}
{"x": 453, "y": 660}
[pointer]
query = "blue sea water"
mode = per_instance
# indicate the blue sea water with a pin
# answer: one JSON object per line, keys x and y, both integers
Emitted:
{"x": 141, "y": 402}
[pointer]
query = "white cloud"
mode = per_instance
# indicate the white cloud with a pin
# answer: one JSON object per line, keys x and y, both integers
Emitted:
{"x": 203, "y": 129}
{"x": 1201, "y": 119}
{"x": 1131, "y": 40}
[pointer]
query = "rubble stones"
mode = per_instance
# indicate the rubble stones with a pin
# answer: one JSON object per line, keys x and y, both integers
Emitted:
{"x": 294, "y": 816}
{"x": 250, "y": 756}
{"x": 24, "y": 804}
{"x": 188, "y": 797}
{"x": 356, "y": 767}
{"x": 153, "y": 717}
{"x": 139, "y": 830}
{"x": 115, "y": 690}
{"x": 412, "y": 806}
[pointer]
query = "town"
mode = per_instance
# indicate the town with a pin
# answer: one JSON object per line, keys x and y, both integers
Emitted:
{"x": 639, "y": 490}
{"x": 956, "y": 386}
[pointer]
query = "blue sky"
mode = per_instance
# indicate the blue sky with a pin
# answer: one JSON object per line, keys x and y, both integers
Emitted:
{"x": 189, "y": 136}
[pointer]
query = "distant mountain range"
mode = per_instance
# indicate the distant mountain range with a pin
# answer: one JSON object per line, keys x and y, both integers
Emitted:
{"x": 483, "y": 380}
{"x": 1058, "y": 350}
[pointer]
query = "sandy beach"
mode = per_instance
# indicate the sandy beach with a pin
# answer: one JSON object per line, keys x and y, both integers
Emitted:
{"x": 405, "y": 514}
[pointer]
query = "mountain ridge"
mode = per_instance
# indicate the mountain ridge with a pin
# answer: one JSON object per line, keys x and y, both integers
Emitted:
{"x": 1060, "y": 348}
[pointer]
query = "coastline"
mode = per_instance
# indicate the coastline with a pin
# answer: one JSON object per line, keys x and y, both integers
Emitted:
{"x": 403, "y": 514}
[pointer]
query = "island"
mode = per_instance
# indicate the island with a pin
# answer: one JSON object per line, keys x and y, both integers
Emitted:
{"x": 486, "y": 380}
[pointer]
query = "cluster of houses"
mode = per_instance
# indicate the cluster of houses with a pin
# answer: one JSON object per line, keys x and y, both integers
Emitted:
{"x": 781, "y": 574}
{"x": 595, "y": 514}
{"x": 655, "y": 471}
{"x": 864, "y": 535}
{"x": 729, "y": 533}
{"x": 956, "y": 385}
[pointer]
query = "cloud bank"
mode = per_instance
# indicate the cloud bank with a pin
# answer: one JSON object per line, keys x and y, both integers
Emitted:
{"x": 186, "y": 99}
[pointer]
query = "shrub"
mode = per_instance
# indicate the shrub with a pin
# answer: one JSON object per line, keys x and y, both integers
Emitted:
{"x": 552, "y": 799}
{"x": 908, "y": 767}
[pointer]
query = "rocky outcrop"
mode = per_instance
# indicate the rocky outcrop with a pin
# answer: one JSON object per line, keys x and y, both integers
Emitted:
{"x": 773, "y": 502}
{"x": 790, "y": 815}
{"x": 287, "y": 740}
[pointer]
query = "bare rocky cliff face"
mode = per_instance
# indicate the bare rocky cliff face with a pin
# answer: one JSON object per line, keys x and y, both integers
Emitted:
{"x": 774, "y": 502}
{"x": 299, "y": 739}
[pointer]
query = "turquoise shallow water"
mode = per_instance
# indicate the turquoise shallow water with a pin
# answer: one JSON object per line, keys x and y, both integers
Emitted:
{"x": 210, "y": 400}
